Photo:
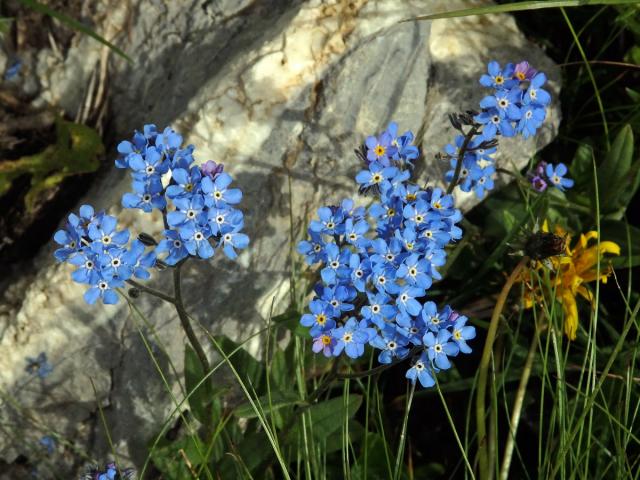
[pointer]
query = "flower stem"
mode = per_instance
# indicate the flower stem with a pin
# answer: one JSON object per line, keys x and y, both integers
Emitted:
{"x": 463, "y": 149}
{"x": 483, "y": 370}
{"x": 152, "y": 291}
{"x": 184, "y": 319}
{"x": 517, "y": 408}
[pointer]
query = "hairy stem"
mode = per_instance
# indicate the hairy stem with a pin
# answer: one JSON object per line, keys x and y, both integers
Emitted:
{"x": 463, "y": 149}
{"x": 184, "y": 319}
{"x": 483, "y": 370}
{"x": 152, "y": 291}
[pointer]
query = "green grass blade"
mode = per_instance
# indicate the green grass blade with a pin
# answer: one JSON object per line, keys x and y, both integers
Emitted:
{"x": 518, "y": 7}
{"x": 72, "y": 23}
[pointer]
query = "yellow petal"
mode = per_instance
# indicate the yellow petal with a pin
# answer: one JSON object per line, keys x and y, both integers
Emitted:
{"x": 570, "y": 315}
{"x": 545, "y": 226}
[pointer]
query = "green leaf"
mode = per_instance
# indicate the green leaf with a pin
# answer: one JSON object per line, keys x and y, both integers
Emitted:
{"x": 72, "y": 23}
{"x": 518, "y": 7}
{"x": 327, "y": 417}
{"x": 616, "y": 231}
{"x": 278, "y": 400}
{"x": 377, "y": 468}
{"x": 76, "y": 152}
{"x": 281, "y": 375}
{"x": 633, "y": 55}
{"x": 250, "y": 369}
{"x": 581, "y": 169}
{"x": 253, "y": 450}
{"x": 633, "y": 95}
{"x": 203, "y": 395}
{"x": 291, "y": 321}
{"x": 613, "y": 172}
{"x": 172, "y": 458}
{"x": 5, "y": 24}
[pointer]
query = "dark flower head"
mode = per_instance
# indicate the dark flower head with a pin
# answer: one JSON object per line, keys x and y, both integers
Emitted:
{"x": 542, "y": 245}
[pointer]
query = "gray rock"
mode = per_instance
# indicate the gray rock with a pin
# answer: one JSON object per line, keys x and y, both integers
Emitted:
{"x": 273, "y": 89}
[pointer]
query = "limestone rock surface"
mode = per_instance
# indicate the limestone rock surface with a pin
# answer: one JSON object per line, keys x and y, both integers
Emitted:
{"x": 274, "y": 90}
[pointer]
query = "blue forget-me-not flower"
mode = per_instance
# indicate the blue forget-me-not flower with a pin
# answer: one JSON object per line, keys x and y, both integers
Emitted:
{"x": 377, "y": 264}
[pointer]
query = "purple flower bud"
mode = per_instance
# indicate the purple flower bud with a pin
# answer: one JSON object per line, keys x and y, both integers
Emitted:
{"x": 538, "y": 183}
{"x": 540, "y": 168}
{"x": 524, "y": 71}
{"x": 212, "y": 169}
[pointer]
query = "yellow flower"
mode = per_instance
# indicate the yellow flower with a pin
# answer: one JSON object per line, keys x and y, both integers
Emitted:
{"x": 570, "y": 272}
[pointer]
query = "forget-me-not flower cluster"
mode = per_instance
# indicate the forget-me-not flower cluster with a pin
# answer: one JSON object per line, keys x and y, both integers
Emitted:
{"x": 377, "y": 264}
{"x": 109, "y": 472}
{"x": 516, "y": 106}
{"x": 196, "y": 202}
{"x": 103, "y": 256}
{"x": 546, "y": 174}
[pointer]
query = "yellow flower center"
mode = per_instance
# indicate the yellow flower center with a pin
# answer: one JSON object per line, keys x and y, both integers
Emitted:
{"x": 326, "y": 340}
{"x": 321, "y": 319}
{"x": 499, "y": 79}
{"x": 520, "y": 75}
{"x": 379, "y": 150}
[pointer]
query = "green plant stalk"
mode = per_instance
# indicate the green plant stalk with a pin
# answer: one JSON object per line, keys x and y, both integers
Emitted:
{"x": 73, "y": 23}
{"x": 254, "y": 405}
{"x": 483, "y": 370}
{"x": 591, "y": 399}
{"x": 403, "y": 433}
{"x": 518, "y": 7}
{"x": 590, "y": 72}
{"x": 453, "y": 429}
{"x": 493, "y": 395}
{"x": 517, "y": 408}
